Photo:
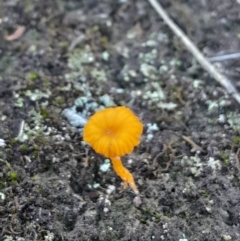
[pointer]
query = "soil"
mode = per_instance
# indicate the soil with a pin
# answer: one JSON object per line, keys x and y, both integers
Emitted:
{"x": 76, "y": 57}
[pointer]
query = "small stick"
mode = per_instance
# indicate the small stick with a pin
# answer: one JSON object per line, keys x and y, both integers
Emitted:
{"x": 196, "y": 52}
{"x": 195, "y": 147}
{"x": 224, "y": 57}
{"x": 237, "y": 159}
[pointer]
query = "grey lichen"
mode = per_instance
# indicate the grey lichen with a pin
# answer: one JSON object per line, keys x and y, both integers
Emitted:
{"x": 148, "y": 71}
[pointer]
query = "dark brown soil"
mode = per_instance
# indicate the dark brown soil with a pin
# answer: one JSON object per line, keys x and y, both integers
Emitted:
{"x": 78, "y": 56}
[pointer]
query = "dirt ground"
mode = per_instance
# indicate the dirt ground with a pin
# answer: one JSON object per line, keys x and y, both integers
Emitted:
{"x": 74, "y": 57}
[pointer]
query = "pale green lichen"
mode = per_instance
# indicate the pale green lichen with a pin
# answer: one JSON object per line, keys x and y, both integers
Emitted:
{"x": 156, "y": 95}
{"x": 37, "y": 94}
{"x": 149, "y": 57}
{"x": 105, "y": 56}
{"x": 194, "y": 164}
{"x": 99, "y": 75}
{"x": 107, "y": 100}
{"x": 105, "y": 166}
{"x": 2, "y": 143}
{"x": 8, "y": 238}
{"x": 152, "y": 127}
{"x": 2, "y": 196}
{"x": 76, "y": 61}
{"x": 19, "y": 102}
{"x": 213, "y": 105}
{"x": 167, "y": 106}
{"x": 226, "y": 237}
{"x": 96, "y": 185}
{"x": 32, "y": 132}
{"x": 49, "y": 237}
{"x": 214, "y": 164}
{"x": 81, "y": 101}
{"x": 197, "y": 83}
{"x": 233, "y": 120}
{"x": 163, "y": 69}
{"x": 149, "y": 137}
{"x": 73, "y": 118}
{"x": 132, "y": 73}
{"x": 148, "y": 71}
{"x": 150, "y": 43}
{"x": 125, "y": 73}
{"x": 83, "y": 56}
{"x": 175, "y": 63}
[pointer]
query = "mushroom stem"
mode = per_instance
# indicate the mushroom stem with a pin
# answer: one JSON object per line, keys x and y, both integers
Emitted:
{"x": 123, "y": 173}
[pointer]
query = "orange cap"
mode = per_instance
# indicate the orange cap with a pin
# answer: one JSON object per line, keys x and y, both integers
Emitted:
{"x": 113, "y": 131}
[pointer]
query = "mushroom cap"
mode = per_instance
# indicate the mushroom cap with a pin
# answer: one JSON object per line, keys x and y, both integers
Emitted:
{"x": 113, "y": 131}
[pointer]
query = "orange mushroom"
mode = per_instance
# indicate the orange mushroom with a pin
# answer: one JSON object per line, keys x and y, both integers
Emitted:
{"x": 114, "y": 132}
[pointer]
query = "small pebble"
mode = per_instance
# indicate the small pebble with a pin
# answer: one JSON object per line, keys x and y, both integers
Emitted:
{"x": 137, "y": 201}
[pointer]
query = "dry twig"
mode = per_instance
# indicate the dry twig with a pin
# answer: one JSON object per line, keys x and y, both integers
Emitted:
{"x": 237, "y": 159}
{"x": 195, "y": 147}
{"x": 166, "y": 147}
{"x": 17, "y": 34}
{"x": 196, "y": 52}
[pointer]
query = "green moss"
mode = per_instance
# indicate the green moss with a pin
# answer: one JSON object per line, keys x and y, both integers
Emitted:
{"x": 157, "y": 217}
{"x": 236, "y": 140}
{"x": 2, "y": 184}
{"x": 35, "y": 177}
{"x": 225, "y": 158}
{"x": 24, "y": 147}
{"x": 52, "y": 25}
{"x": 44, "y": 113}
{"x": 64, "y": 45}
{"x": 32, "y": 76}
{"x": 166, "y": 214}
{"x": 104, "y": 41}
{"x": 42, "y": 140}
{"x": 39, "y": 189}
{"x": 203, "y": 192}
{"x": 60, "y": 100}
{"x": 95, "y": 28}
{"x": 13, "y": 176}
{"x": 12, "y": 141}
{"x": 143, "y": 221}
{"x": 35, "y": 153}
{"x": 173, "y": 176}
{"x": 187, "y": 216}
